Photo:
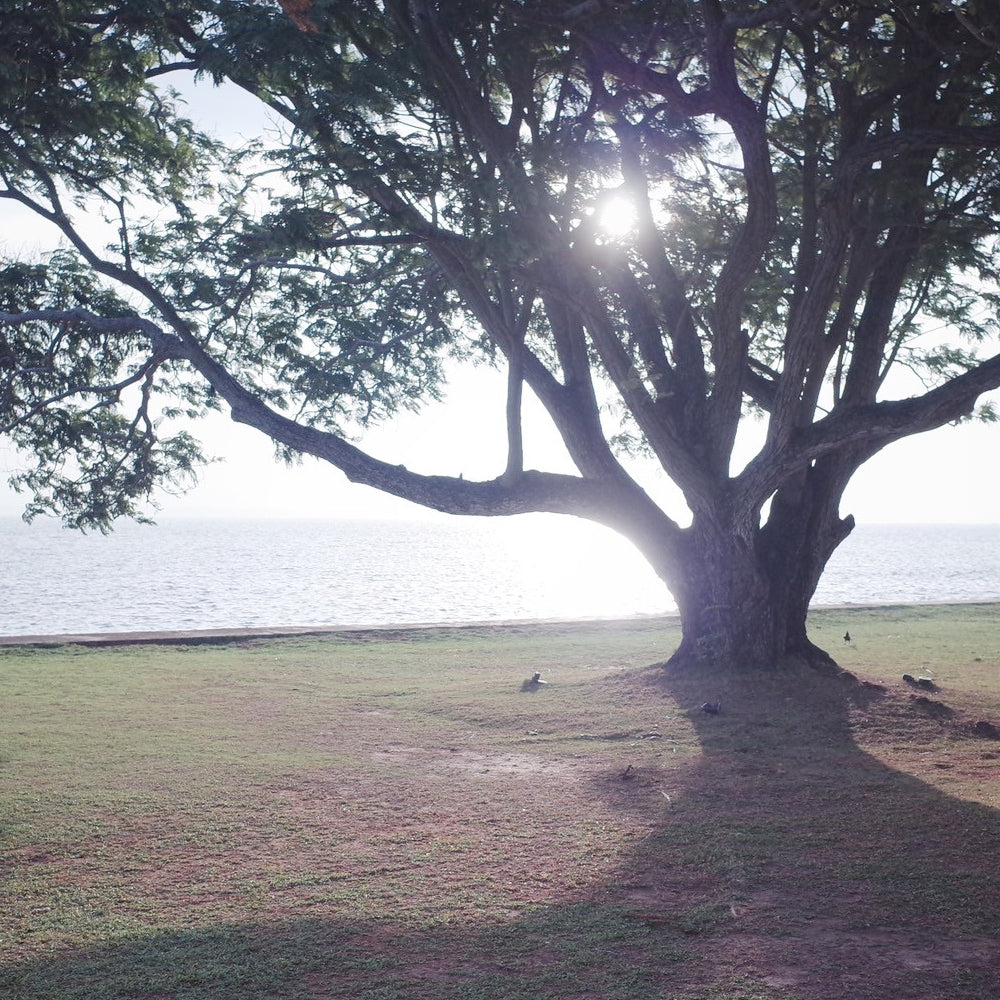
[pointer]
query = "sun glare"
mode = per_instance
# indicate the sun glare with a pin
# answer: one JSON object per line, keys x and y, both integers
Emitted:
{"x": 615, "y": 217}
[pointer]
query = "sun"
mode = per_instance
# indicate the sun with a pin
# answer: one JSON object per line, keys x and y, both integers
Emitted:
{"x": 615, "y": 217}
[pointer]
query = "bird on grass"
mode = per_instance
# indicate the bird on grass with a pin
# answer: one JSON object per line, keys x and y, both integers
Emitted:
{"x": 534, "y": 682}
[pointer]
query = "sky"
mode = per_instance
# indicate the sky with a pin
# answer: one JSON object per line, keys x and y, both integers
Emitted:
{"x": 946, "y": 476}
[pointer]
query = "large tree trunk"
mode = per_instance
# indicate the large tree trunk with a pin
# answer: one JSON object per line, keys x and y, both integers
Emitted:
{"x": 744, "y": 590}
{"x": 727, "y": 615}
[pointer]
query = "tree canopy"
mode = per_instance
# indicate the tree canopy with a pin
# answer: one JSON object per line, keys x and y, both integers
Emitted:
{"x": 812, "y": 190}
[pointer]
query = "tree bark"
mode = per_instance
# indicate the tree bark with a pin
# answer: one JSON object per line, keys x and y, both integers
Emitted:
{"x": 727, "y": 616}
{"x": 745, "y": 591}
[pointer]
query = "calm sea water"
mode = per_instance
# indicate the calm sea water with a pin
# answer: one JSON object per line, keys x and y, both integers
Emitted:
{"x": 190, "y": 573}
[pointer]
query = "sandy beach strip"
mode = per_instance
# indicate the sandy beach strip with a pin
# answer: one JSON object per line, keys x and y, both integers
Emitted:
{"x": 390, "y": 632}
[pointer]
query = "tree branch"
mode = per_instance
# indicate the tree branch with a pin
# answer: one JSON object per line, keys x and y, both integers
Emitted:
{"x": 175, "y": 67}
{"x": 864, "y": 154}
{"x": 165, "y": 346}
{"x": 730, "y": 344}
{"x": 867, "y": 428}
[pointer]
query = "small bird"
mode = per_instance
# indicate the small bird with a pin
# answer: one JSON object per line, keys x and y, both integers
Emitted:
{"x": 847, "y": 637}
{"x": 534, "y": 682}
{"x": 712, "y": 708}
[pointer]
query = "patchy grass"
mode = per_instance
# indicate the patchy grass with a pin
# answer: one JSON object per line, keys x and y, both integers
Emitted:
{"x": 389, "y": 815}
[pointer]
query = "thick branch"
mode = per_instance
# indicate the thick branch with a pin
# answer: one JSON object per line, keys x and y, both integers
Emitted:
{"x": 683, "y": 464}
{"x": 663, "y": 83}
{"x": 689, "y": 360}
{"x": 184, "y": 66}
{"x": 925, "y": 140}
{"x": 620, "y": 506}
{"x": 868, "y": 428}
{"x": 515, "y": 431}
{"x": 747, "y": 251}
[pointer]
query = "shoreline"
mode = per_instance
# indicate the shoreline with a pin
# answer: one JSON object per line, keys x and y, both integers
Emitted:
{"x": 394, "y": 630}
{"x": 400, "y": 630}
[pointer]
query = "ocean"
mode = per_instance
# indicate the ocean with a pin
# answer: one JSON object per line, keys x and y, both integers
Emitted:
{"x": 188, "y": 573}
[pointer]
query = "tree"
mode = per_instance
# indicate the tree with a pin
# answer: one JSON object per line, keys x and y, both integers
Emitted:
{"x": 814, "y": 189}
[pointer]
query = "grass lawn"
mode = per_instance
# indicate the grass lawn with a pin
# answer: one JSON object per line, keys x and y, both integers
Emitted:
{"x": 390, "y": 816}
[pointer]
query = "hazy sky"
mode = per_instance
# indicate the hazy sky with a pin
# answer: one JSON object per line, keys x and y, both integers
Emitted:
{"x": 949, "y": 475}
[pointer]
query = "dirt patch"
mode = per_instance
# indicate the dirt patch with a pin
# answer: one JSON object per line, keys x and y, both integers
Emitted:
{"x": 443, "y": 763}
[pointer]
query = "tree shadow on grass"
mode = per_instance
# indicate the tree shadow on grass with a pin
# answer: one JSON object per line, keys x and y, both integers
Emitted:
{"x": 784, "y": 861}
{"x": 821, "y": 867}
{"x": 574, "y": 950}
